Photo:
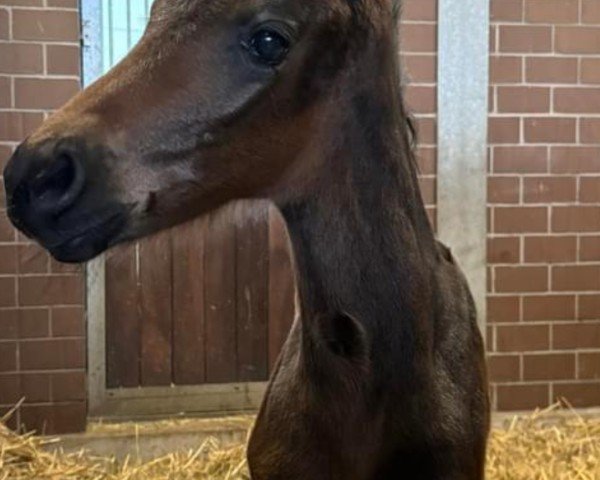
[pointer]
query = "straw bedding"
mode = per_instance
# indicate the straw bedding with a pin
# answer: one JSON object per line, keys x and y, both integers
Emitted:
{"x": 539, "y": 447}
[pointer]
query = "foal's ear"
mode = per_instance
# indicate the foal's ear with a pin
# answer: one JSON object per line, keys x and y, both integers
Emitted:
{"x": 343, "y": 335}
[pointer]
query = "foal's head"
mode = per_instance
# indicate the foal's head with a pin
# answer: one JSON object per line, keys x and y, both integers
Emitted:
{"x": 221, "y": 99}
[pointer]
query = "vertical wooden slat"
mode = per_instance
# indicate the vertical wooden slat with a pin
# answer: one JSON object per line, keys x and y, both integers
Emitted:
{"x": 155, "y": 307}
{"x": 219, "y": 297}
{"x": 122, "y": 319}
{"x": 281, "y": 285}
{"x": 252, "y": 264}
{"x": 188, "y": 304}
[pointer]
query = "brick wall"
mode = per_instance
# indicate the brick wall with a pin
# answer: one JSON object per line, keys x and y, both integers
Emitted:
{"x": 544, "y": 203}
{"x": 42, "y": 346}
{"x": 418, "y": 43}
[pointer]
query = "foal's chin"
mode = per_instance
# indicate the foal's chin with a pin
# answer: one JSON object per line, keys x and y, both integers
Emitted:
{"x": 79, "y": 246}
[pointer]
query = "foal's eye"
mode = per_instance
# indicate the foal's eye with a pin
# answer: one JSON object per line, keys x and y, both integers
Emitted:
{"x": 268, "y": 47}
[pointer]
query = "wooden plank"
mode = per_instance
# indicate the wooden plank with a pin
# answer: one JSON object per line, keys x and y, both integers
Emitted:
{"x": 252, "y": 264}
{"x": 219, "y": 297}
{"x": 188, "y": 303}
{"x": 122, "y": 319}
{"x": 220, "y": 399}
{"x": 281, "y": 286}
{"x": 156, "y": 310}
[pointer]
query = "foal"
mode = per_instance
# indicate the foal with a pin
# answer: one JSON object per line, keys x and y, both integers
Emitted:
{"x": 298, "y": 101}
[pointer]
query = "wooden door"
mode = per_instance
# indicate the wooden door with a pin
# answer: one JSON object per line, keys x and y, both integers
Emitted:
{"x": 209, "y": 302}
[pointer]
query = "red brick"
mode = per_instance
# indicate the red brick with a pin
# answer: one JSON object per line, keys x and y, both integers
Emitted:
{"x": 68, "y": 386}
{"x": 53, "y": 419}
{"x": 427, "y": 159}
{"x": 577, "y": 100}
{"x": 427, "y": 128}
{"x": 504, "y": 130}
{"x": 590, "y": 11}
{"x": 590, "y": 70}
{"x": 62, "y": 3}
{"x": 551, "y": 70}
{"x": 552, "y": 11}
{"x": 7, "y": 232}
{"x": 589, "y": 365}
{"x": 421, "y": 99}
{"x": 68, "y": 321}
{"x": 52, "y": 354}
{"x": 550, "y": 130}
{"x": 422, "y": 10}
{"x": 576, "y": 336}
{"x": 8, "y": 296}
{"x": 550, "y": 189}
{"x": 583, "y": 40}
{"x": 506, "y": 10}
{"x": 420, "y": 68}
{"x": 8, "y": 357}
{"x": 505, "y": 368}
{"x": 525, "y": 39}
{"x": 63, "y": 60}
{"x": 428, "y": 190}
{"x": 506, "y": 69}
{"x": 576, "y": 278}
{"x": 521, "y": 279}
{"x": 544, "y": 308}
{"x": 589, "y": 190}
{"x": 46, "y": 25}
{"x": 4, "y": 24}
{"x": 51, "y": 290}
{"x": 523, "y": 99}
{"x": 10, "y": 389}
{"x": 503, "y": 250}
{"x": 590, "y": 130}
{"x": 503, "y": 190}
{"x": 35, "y": 387}
{"x": 520, "y": 159}
{"x": 575, "y": 160}
{"x": 518, "y": 338}
{"x": 21, "y": 58}
{"x": 503, "y": 309}
{"x": 418, "y": 37}
{"x": 576, "y": 219}
{"x": 34, "y": 323}
{"x": 9, "y": 324}
{"x": 520, "y": 219}
{"x": 522, "y": 397}
{"x": 579, "y": 395}
{"x": 8, "y": 259}
{"x": 556, "y": 366}
{"x": 589, "y": 307}
{"x": 15, "y": 126}
{"x": 550, "y": 249}
{"x": 32, "y": 259}
{"x": 56, "y": 92}
{"x": 589, "y": 249}
{"x": 5, "y": 97}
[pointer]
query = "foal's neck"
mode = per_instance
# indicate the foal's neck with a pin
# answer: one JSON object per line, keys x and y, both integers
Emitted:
{"x": 362, "y": 242}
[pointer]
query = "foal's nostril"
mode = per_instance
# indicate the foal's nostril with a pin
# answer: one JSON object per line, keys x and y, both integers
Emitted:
{"x": 56, "y": 188}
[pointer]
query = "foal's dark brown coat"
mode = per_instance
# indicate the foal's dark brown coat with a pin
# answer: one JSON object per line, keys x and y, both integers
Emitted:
{"x": 383, "y": 375}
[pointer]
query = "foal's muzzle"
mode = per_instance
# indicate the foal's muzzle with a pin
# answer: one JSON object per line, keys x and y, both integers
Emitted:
{"x": 56, "y": 193}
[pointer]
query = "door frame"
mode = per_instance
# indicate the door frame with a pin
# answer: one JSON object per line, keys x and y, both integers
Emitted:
{"x": 141, "y": 402}
{"x": 463, "y": 96}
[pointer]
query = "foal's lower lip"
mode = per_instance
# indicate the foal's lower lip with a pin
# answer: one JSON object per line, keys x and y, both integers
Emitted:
{"x": 89, "y": 243}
